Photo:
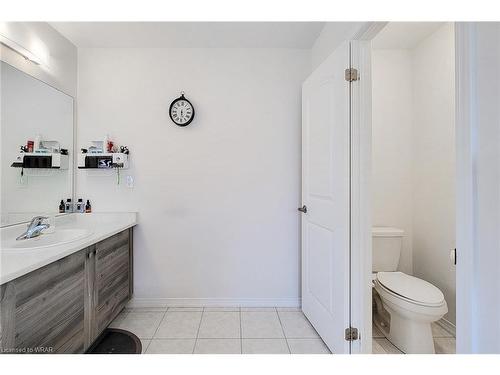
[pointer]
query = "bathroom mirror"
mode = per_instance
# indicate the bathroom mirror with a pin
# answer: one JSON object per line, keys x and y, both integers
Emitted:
{"x": 38, "y": 118}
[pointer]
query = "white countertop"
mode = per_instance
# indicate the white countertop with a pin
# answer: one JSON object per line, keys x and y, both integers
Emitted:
{"x": 14, "y": 264}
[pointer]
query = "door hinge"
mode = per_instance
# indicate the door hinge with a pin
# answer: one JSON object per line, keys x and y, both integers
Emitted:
{"x": 351, "y": 334}
{"x": 351, "y": 74}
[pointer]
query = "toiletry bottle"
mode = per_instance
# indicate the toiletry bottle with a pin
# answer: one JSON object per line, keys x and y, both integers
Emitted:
{"x": 36, "y": 145}
{"x": 68, "y": 207}
{"x": 105, "y": 144}
{"x": 62, "y": 207}
{"x": 80, "y": 206}
{"x": 88, "y": 207}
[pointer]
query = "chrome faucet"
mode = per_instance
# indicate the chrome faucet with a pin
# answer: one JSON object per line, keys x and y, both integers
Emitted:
{"x": 34, "y": 228}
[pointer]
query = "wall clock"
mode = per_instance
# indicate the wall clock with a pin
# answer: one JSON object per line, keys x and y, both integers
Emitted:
{"x": 181, "y": 111}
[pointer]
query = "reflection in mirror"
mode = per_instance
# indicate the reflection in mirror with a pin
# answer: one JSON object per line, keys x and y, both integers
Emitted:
{"x": 36, "y": 126}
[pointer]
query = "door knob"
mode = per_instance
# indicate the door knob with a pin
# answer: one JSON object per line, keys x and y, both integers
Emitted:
{"x": 303, "y": 209}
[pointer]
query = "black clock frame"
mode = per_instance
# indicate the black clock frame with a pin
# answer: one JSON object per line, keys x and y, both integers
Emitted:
{"x": 182, "y": 97}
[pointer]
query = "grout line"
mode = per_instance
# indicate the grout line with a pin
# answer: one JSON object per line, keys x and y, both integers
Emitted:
{"x": 159, "y": 324}
{"x": 198, "y": 331}
{"x": 146, "y": 349}
{"x": 283, "y": 330}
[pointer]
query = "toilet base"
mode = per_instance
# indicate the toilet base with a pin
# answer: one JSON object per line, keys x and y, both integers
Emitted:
{"x": 409, "y": 330}
{"x": 410, "y": 336}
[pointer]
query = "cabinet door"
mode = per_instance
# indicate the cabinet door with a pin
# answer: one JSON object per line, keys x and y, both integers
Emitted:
{"x": 43, "y": 311}
{"x": 112, "y": 278}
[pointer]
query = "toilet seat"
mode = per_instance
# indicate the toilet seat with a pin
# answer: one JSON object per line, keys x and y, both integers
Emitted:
{"x": 410, "y": 289}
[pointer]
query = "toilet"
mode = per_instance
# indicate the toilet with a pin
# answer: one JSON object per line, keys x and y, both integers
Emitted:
{"x": 405, "y": 306}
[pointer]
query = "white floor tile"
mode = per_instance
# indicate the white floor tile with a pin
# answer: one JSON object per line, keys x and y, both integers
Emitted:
{"x": 144, "y": 344}
{"x": 296, "y": 325}
{"x": 384, "y": 346}
{"x": 219, "y": 325}
{"x": 253, "y": 309}
{"x": 265, "y": 346}
{"x": 289, "y": 309}
{"x": 438, "y": 331}
{"x": 179, "y": 325}
{"x": 141, "y": 324}
{"x": 261, "y": 325}
{"x": 184, "y": 309}
{"x": 120, "y": 318}
{"x": 145, "y": 309}
{"x": 171, "y": 346}
{"x": 219, "y": 309}
{"x": 307, "y": 346}
{"x": 445, "y": 345}
{"x": 218, "y": 346}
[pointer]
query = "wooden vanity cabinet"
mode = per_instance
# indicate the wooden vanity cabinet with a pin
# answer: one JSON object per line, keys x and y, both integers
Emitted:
{"x": 42, "y": 312}
{"x": 108, "y": 273}
{"x": 64, "y": 306}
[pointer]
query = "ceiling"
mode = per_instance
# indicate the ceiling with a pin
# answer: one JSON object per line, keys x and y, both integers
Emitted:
{"x": 191, "y": 34}
{"x": 404, "y": 35}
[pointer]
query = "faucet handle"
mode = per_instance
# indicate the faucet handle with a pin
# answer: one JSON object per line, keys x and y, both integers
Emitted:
{"x": 37, "y": 220}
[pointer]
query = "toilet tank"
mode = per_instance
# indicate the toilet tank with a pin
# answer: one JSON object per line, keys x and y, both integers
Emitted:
{"x": 386, "y": 247}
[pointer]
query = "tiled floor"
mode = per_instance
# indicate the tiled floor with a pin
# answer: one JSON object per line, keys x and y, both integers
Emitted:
{"x": 444, "y": 342}
{"x": 224, "y": 330}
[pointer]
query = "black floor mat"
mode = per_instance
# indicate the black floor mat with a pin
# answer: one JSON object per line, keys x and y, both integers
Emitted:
{"x": 116, "y": 341}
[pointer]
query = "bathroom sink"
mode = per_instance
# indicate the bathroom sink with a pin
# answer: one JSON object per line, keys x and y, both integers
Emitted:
{"x": 59, "y": 237}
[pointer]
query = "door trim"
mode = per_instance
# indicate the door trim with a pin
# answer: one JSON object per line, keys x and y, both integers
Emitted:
{"x": 361, "y": 220}
{"x": 465, "y": 124}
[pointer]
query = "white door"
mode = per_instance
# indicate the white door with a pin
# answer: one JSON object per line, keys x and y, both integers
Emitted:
{"x": 325, "y": 193}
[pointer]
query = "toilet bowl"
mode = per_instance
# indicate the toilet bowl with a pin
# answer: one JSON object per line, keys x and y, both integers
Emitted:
{"x": 406, "y": 307}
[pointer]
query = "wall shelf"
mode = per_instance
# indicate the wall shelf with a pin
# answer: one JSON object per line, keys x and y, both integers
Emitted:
{"x": 105, "y": 161}
{"x": 34, "y": 160}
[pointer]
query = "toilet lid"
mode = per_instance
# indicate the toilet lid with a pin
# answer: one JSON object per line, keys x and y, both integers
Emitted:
{"x": 410, "y": 287}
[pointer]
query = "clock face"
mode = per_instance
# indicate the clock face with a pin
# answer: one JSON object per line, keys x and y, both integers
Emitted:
{"x": 181, "y": 111}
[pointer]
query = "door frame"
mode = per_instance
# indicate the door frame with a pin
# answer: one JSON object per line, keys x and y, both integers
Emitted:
{"x": 361, "y": 197}
{"x": 465, "y": 125}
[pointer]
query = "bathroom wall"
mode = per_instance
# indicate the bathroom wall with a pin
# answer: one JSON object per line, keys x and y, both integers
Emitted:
{"x": 331, "y": 36}
{"x": 217, "y": 200}
{"x": 60, "y": 55}
{"x": 434, "y": 162}
{"x": 478, "y": 136}
{"x": 414, "y": 155}
{"x": 392, "y": 131}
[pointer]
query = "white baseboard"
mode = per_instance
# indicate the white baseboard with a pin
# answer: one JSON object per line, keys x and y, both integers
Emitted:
{"x": 448, "y": 326}
{"x": 214, "y": 302}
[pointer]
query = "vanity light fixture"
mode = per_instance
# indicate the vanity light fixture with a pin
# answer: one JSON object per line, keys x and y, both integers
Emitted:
{"x": 28, "y": 55}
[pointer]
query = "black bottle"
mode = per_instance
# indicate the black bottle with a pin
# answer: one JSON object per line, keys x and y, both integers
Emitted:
{"x": 88, "y": 207}
{"x": 61, "y": 207}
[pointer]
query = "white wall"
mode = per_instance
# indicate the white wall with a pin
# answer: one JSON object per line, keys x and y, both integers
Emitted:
{"x": 217, "y": 200}
{"x": 392, "y": 131}
{"x": 414, "y": 155}
{"x": 478, "y": 172}
{"x": 60, "y": 69}
{"x": 434, "y": 162}
{"x": 331, "y": 36}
